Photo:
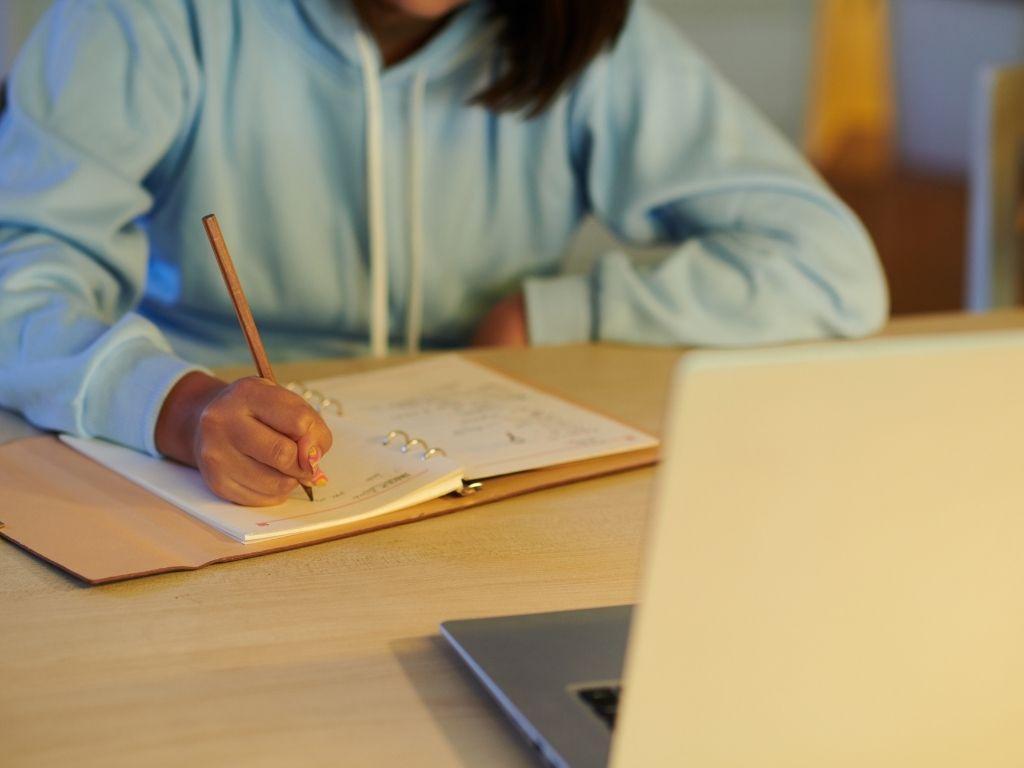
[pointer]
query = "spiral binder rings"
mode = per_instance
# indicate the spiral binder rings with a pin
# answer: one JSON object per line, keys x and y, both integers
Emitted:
{"x": 411, "y": 442}
{"x": 426, "y": 452}
{"x": 324, "y": 404}
{"x": 320, "y": 402}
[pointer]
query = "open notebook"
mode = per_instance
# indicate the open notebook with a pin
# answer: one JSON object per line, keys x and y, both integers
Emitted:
{"x": 403, "y": 435}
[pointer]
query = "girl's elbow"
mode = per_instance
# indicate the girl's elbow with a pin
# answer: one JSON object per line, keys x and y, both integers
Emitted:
{"x": 864, "y": 304}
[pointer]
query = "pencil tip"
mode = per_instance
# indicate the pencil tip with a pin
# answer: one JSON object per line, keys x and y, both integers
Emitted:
{"x": 309, "y": 492}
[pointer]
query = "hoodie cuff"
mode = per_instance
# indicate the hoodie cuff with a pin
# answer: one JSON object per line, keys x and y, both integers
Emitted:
{"x": 559, "y": 310}
{"x": 125, "y": 394}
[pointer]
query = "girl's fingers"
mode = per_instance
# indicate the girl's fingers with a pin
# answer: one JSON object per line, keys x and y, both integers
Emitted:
{"x": 236, "y": 492}
{"x": 288, "y": 414}
{"x": 259, "y": 442}
{"x": 260, "y": 478}
{"x": 256, "y": 440}
{"x": 310, "y": 454}
{"x": 243, "y": 480}
{"x": 279, "y": 409}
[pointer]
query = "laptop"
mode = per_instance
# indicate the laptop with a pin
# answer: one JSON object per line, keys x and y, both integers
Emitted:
{"x": 834, "y": 573}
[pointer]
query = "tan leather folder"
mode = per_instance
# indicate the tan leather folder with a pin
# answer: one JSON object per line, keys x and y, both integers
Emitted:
{"x": 101, "y": 527}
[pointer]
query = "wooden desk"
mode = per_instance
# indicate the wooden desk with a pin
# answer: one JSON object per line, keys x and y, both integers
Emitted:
{"x": 329, "y": 655}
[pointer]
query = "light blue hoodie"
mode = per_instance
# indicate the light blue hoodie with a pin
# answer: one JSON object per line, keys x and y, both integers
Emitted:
{"x": 368, "y": 208}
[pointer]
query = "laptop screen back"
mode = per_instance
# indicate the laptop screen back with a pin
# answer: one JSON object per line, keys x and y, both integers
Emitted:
{"x": 835, "y": 573}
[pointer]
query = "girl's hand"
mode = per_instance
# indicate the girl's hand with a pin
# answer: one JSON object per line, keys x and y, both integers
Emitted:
{"x": 504, "y": 325}
{"x": 252, "y": 441}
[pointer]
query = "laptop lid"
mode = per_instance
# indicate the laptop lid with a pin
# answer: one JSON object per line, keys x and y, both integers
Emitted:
{"x": 835, "y": 574}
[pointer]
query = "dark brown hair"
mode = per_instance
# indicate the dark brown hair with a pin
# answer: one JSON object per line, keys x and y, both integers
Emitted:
{"x": 547, "y": 44}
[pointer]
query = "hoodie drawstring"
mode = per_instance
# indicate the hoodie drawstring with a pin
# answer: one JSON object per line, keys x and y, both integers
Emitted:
{"x": 379, "y": 300}
{"x": 379, "y": 319}
{"x": 414, "y": 316}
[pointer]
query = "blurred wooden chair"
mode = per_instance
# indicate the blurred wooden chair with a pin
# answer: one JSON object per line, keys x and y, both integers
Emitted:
{"x": 996, "y": 248}
{"x": 850, "y": 113}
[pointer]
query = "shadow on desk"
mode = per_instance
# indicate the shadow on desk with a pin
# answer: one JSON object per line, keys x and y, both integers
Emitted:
{"x": 471, "y": 722}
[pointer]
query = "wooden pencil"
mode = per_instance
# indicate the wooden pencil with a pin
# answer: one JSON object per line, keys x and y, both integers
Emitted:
{"x": 241, "y": 304}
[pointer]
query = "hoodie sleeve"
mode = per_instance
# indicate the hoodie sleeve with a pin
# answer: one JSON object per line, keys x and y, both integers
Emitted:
{"x": 97, "y": 98}
{"x": 666, "y": 152}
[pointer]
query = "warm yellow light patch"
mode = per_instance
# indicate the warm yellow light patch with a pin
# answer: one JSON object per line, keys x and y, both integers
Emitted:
{"x": 851, "y": 113}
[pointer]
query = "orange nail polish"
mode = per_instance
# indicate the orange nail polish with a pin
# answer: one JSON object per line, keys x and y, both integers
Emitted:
{"x": 314, "y": 459}
{"x": 320, "y": 480}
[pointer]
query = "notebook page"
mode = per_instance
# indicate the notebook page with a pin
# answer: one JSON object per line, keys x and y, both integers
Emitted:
{"x": 490, "y": 423}
{"x": 366, "y": 480}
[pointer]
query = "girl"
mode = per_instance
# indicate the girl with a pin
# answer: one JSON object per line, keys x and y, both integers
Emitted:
{"x": 388, "y": 173}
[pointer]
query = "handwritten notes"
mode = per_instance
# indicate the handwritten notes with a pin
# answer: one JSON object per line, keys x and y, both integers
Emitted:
{"x": 457, "y": 420}
{"x": 488, "y": 422}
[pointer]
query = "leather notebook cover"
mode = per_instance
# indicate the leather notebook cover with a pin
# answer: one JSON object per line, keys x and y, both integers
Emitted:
{"x": 101, "y": 527}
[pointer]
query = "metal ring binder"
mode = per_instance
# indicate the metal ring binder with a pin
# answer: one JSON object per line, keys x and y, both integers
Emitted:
{"x": 321, "y": 402}
{"x": 468, "y": 489}
{"x": 393, "y": 434}
{"x": 318, "y": 400}
{"x": 412, "y": 444}
{"x": 408, "y": 443}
